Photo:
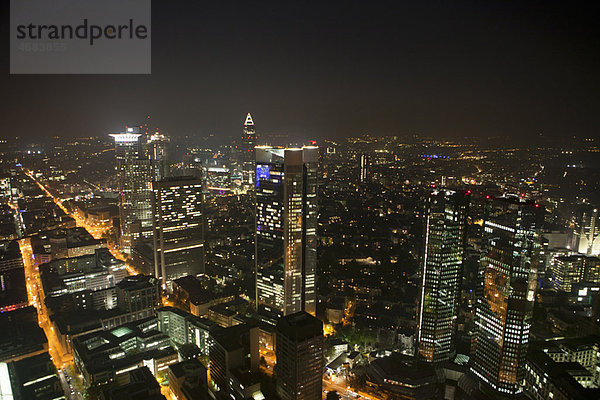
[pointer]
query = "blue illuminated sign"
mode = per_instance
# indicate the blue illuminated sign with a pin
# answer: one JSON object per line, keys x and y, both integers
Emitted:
{"x": 262, "y": 172}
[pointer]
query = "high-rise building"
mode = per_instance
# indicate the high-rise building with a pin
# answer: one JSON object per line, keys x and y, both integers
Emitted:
{"x": 299, "y": 354}
{"x": 365, "y": 166}
{"x": 178, "y": 228}
{"x": 441, "y": 273}
{"x": 246, "y": 151}
{"x": 13, "y": 291}
{"x": 157, "y": 145}
{"x": 234, "y": 361}
{"x": 286, "y": 230}
{"x": 567, "y": 271}
{"x": 587, "y": 231}
{"x": 508, "y": 268}
{"x": 134, "y": 170}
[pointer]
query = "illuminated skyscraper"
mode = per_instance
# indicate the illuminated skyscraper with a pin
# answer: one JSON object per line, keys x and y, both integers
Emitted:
{"x": 508, "y": 269}
{"x": 179, "y": 229}
{"x": 441, "y": 270}
{"x": 286, "y": 230}
{"x": 158, "y": 150}
{"x": 587, "y": 231}
{"x": 246, "y": 149}
{"x": 134, "y": 170}
{"x": 365, "y": 166}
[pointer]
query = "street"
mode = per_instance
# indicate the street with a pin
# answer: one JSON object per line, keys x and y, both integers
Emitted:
{"x": 62, "y": 360}
{"x": 345, "y": 392}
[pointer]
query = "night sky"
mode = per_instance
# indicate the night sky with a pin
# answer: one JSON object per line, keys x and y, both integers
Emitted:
{"x": 324, "y": 69}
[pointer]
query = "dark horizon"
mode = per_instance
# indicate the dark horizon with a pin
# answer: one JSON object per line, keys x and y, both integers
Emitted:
{"x": 317, "y": 71}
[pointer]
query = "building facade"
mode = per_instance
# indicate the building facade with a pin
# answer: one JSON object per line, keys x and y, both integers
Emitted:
{"x": 441, "y": 273}
{"x": 299, "y": 352}
{"x": 507, "y": 271}
{"x": 13, "y": 291}
{"x": 587, "y": 231}
{"x": 286, "y": 230}
{"x": 134, "y": 174}
{"x": 158, "y": 144}
{"x": 246, "y": 151}
{"x": 178, "y": 228}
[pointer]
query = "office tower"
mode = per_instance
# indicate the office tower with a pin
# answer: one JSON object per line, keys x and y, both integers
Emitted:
{"x": 587, "y": 231}
{"x": 507, "y": 271}
{"x": 568, "y": 271}
{"x": 246, "y": 151}
{"x": 234, "y": 361}
{"x": 591, "y": 270}
{"x": 178, "y": 228}
{"x": 299, "y": 353}
{"x": 13, "y": 291}
{"x": 365, "y": 167}
{"x": 286, "y": 229}
{"x": 157, "y": 145}
{"x": 441, "y": 273}
{"x": 134, "y": 170}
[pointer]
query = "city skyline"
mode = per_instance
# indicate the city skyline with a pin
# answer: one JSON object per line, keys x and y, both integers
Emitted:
{"x": 302, "y": 201}
{"x": 455, "y": 70}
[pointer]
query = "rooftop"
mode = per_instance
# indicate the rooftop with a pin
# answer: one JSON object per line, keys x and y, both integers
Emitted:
{"x": 136, "y": 282}
{"x": 300, "y": 326}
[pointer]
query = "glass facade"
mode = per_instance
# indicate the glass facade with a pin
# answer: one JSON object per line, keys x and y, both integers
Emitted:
{"x": 507, "y": 271}
{"x": 441, "y": 271}
{"x": 286, "y": 220}
{"x": 134, "y": 173}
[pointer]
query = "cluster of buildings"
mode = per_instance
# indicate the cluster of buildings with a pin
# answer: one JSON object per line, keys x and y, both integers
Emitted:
{"x": 112, "y": 324}
{"x": 26, "y": 369}
{"x": 429, "y": 292}
{"x": 511, "y": 265}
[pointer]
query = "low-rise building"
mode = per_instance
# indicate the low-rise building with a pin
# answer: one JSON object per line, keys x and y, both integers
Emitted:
{"x": 22, "y": 336}
{"x": 104, "y": 357}
{"x": 32, "y": 378}
{"x": 404, "y": 376}
{"x": 184, "y": 328}
{"x": 66, "y": 243}
{"x": 91, "y": 272}
{"x": 138, "y": 384}
{"x": 188, "y": 380}
{"x": 563, "y": 370}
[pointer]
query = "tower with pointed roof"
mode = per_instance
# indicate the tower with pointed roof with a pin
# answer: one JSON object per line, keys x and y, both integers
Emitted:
{"x": 247, "y": 144}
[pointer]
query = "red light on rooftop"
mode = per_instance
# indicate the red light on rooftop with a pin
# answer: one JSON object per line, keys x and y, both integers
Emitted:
{"x": 487, "y": 196}
{"x": 537, "y": 205}
{"x": 468, "y": 192}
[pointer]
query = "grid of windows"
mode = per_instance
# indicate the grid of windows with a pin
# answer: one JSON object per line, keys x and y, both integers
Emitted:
{"x": 504, "y": 306}
{"x": 441, "y": 271}
{"x": 179, "y": 228}
{"x": 286, "y": 220}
